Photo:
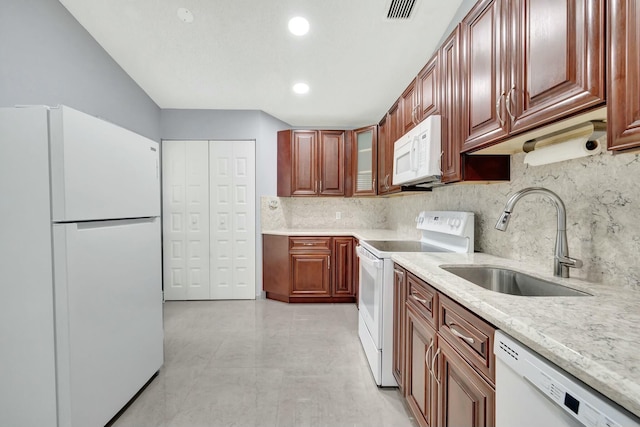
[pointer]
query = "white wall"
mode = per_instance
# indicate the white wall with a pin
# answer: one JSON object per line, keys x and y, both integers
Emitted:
{"x": 48, "y": 58}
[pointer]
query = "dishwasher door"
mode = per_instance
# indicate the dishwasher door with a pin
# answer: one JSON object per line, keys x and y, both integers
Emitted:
{"x": 532, "y": 392}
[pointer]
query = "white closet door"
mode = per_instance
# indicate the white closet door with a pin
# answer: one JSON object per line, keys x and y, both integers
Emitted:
{"x": 185, "y": 210}
{"x": 232, "y": 210}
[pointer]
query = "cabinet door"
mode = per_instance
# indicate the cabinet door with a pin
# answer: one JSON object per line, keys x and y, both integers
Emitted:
{"x": 420, "y": 388}
{"x": 409, "y": 107}
{"x": 343, "y": 266}
{"x": 464, "y": 398}
{"x": 428, "y": 87}
{"x": 486, "y": 73}
{"x": 304, "y": 180}
{"x": 451, "y": 87}
{"x": 393, "y": 134}
{"x": 383, "y": 166}
{"x": 623, "y": 74}
{"x": 558, "y": 60}
{"x": 310, "y": 274}
{"x": 331, "y": 162}
{"x": 399, "y": 319}
{"x": 365, "y": 146}
{"x": 275, "y": 266}
{"x": 356, "y": 273}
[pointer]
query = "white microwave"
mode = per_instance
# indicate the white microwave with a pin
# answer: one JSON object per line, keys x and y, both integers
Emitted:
{"x": 416, "y": 155}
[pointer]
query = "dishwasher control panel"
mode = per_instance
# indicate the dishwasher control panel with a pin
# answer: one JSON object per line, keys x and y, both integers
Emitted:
{"x": 579, "y": 402}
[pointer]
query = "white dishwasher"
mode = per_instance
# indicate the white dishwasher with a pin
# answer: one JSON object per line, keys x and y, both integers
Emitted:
{"x": 532, "y": 392}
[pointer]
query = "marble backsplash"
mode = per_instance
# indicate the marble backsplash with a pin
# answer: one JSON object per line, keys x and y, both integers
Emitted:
{"x": 320, "y": 213}
{"x": 601, "y": 195}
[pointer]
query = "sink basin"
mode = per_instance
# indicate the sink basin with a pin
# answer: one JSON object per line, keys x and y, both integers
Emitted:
{"x": 511, "y": 282}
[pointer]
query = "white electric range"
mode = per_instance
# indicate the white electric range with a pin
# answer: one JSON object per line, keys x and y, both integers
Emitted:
{"x": 442, "y": 231}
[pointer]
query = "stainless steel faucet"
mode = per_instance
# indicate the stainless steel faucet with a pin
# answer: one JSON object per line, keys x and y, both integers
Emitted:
{"x": 562, "y": 261}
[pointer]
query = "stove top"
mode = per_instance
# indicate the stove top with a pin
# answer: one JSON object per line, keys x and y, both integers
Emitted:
{"x": 402, "y": 246}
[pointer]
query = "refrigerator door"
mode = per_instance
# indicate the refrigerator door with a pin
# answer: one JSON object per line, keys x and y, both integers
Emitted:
{"x": 108, "y": 304}
{"x": 27, "y": 347}
{"x": 100, "y": 170}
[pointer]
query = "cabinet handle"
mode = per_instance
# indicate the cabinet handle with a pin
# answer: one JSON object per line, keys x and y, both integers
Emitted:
{"x": 320, "y": 186}
{"x": 373, "y": 184}
{"x": 423, "y": 301}
{"x": 386, "y": 181}
{"x": 328, "y": 262}
{"x": 498, "y": 114}
{"x": 308, "y": 244}
{"x": 460, "y": 335}
{"x": 426, "y": 357}
{"x": 433, "y": 367}
{"x": 508, "y": 102}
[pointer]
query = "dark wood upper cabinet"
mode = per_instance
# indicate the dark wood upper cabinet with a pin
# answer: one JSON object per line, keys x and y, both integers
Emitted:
{"x": 451, "y": 90}
{"x": 311, "y": 163}
{"x": 331, "y": 159}
{"x": 389, "y": 130}
{"x": 304, "y": 180}
{"x": 558, "y": 60}
{"x": 428, "y": 87}
{"x": 409, "y": 107}
{"x": 485, "y": 60}
{"x": 529, "y": 63}
{"x": 365, "y": 160}
{"x": 623, "y": 105}
{"x": 384, "y": 167}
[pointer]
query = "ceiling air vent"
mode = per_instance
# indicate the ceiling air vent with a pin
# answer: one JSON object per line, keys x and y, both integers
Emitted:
{"x": 400, "y": 9}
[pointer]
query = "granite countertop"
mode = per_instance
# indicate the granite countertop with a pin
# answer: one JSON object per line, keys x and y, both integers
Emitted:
{"x": 594, "y": 338}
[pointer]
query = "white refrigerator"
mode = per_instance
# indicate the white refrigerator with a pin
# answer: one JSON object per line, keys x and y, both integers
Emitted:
{"x": 80, "y": 262}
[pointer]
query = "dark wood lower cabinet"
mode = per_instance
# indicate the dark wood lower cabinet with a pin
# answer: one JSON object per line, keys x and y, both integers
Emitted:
{"x": 464, "y": 397}
{"x": 442, "y": 387}
{"x": 309, "y": 269}
{"x": 343, "y": 250}
{"x": 399, "y": 325}
{"x": 310, "y": 274}
{"x": 421, "y": 393}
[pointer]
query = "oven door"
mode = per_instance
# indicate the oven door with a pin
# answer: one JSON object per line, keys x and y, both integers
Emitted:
{"x": 370, "y": 293}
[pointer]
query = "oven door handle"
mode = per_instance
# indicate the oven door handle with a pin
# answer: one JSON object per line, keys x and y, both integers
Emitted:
{"x": 365, "y": 258}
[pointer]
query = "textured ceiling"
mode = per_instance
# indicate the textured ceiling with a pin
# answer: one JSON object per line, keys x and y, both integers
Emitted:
{"x": 238, "y": 54}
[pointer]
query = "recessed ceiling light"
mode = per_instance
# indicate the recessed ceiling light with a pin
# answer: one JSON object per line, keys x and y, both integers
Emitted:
{"x": 185, "y": 15}
{"x": 298, "y": 26}
{"x": 301, "y": 88}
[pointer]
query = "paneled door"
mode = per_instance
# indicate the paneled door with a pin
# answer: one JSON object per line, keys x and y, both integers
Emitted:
{"x": 208, "y": 214}
{"x": 232, "y": 219}
{"x": 185, "y": 212}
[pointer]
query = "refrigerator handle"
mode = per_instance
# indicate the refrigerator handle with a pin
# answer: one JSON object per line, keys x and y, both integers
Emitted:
{"x": 90, "y": 225}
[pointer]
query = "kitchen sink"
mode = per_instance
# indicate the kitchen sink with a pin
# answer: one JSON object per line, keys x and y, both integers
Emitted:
{"x": 511, "y": 282}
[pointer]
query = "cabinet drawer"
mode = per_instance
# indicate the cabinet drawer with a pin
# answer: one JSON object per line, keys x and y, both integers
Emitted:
{"x": 422, "y": 297}
{"x": 310, "y": 243}
{"x": 471, "y": 336}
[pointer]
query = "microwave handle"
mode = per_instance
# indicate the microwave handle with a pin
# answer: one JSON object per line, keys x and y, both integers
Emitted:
{"x": 412, "y": 156}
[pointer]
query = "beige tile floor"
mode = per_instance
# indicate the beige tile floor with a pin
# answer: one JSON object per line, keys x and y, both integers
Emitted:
{"x": 263, "y": 363}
